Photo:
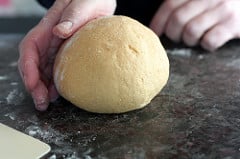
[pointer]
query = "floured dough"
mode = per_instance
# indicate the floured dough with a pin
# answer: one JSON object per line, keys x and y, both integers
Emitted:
{"x": 111, "y": 65}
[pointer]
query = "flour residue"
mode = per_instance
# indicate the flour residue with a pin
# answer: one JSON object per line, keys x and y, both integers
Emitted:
{"x": 89, "y": 26}
{"x": 74, "y": 156}
{"x": 14, "y": 83}
{"x": 12, "y": 116}
{"x": 69, "y": 43}
{"x": 200, "y": 57}
{"x": 177, "y": 81}
{"x": 14, "y": 97}
{"x": 2, "y": 78}
{"x": 53, "y": 157}
{"x": 180, "y": 52}
{"x": 59, "y": 76}
{"x": 11, "y": 96}
{"x": 234, "y": 63}
{"x": 13, "y": 64}
{"x": 59, "y": 73}
{"x": 47, "y": 134}
{"x": 33, "y": 119}
{"x": 52, "y": 136}
{"x": 56, "y": 81}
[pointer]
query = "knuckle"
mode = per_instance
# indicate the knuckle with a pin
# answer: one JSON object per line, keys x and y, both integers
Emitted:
{"x": 170, "y": 4}
{"x": 191, "y": 30}
{"x": 227, "y": 8}
{"x": 233, "y": 17}
{"x": 178, "y": 18}
{"x": 51, "y": 13}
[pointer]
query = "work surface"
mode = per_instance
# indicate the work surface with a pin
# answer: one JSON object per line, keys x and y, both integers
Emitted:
{"x": 196, "y": 116}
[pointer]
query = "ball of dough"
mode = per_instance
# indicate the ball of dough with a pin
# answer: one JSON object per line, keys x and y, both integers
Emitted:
{"x": 112, "y": 64}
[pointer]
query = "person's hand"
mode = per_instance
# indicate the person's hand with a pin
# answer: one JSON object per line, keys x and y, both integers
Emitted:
{"x": 38, "y": 48}
{"x": 210, "y": 23}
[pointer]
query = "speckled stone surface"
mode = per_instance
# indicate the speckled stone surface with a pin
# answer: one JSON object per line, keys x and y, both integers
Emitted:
{"x": 196, "y": 116}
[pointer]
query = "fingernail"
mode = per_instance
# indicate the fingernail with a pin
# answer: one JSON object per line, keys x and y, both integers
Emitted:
{"x": 67, "y": 25}
{"x": 41, "y": 106}
{"x": 63, "y": 29}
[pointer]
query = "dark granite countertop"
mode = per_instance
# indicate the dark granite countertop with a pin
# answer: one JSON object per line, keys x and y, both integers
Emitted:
{"x": 196, "y": 116}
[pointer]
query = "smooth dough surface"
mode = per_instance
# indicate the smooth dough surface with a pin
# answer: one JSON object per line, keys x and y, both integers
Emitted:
{"x": 112, "y": 64}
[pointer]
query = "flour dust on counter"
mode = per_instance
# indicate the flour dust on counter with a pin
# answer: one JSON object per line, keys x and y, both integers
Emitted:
{"x": 46, "y": 133}
{"x": 11, "y": 115}
{"x": 196, "y": 116}
{"x": 184, "y": 52}
{"x": 13, "y": 64}
{"x": 2, "y": 78}
{"x": 235, "y": 64}
{"x": 14, "y": 97}
{"x": 58, "y": 140}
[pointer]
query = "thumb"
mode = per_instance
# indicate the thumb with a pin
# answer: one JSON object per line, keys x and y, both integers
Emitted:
{"x": 78, "y": 13}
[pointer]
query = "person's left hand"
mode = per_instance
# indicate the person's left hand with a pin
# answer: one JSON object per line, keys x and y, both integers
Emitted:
{"x": 210, "y": 23}
{"x": 39, "y": 47}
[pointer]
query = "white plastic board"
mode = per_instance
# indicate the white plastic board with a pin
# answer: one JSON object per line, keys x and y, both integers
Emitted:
{"x": 17, "y": 145}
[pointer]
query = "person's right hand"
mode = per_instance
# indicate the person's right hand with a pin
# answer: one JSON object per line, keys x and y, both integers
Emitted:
{"x": 39, "y": 47}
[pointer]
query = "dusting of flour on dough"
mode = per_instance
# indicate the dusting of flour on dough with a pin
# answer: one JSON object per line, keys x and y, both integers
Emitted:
{"x": 56, "y": 80}
{"x": 59, "y": 74}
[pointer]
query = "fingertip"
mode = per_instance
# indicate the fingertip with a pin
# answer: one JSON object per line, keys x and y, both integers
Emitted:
{"x": 208, "y": 45}
{"x": 63, "y": 30}
{"x": 40, "y": 96}
{"x": 216, "y": 37}
{"x": 41, "y": 102}
{"x": 189, "y": 40}
{"x": 41, "y": 107}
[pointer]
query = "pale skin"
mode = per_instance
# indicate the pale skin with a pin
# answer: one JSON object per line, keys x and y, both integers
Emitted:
{"x": 209, "y": 23}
